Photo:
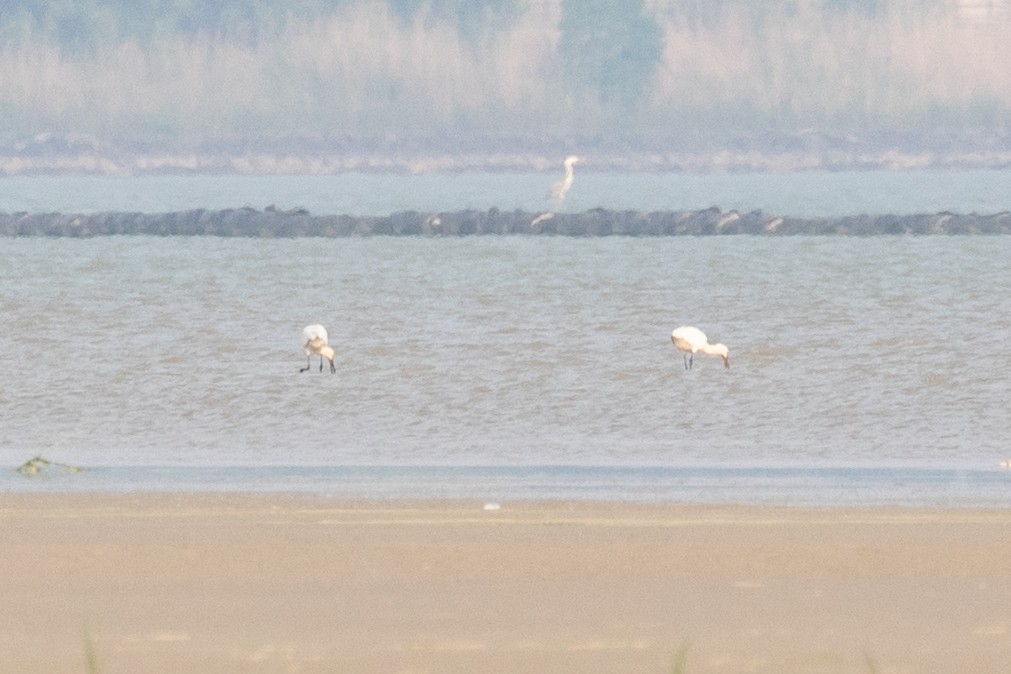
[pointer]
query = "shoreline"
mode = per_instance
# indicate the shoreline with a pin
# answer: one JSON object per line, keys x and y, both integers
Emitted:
{"x": 829, "y": 155}
{"x": 941, "y": 485}
{"x": 240, "y": 582}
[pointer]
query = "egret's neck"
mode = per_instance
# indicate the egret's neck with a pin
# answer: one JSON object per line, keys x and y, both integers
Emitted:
{"x": 720, "y": 350}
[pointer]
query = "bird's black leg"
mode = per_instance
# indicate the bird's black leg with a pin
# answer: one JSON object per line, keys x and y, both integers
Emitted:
{"x": 307, "y": 364}
{"x": 333, "y": 368}
{"x": 691, "y": 360}
{"x": 684, "y": 357}
{"x": 321, "y": 363}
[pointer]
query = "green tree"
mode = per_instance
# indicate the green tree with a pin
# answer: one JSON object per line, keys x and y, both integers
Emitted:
{"x": 613, "y": 48}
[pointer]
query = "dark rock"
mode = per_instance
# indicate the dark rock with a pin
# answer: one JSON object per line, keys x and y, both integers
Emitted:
{"x": 272, "y": 222}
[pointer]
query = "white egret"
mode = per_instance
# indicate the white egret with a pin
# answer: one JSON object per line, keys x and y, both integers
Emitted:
{"x": 316, "y": 343}
{"x": 541, "y": 218}
{"x": 691, "y": 340}
{"x": 560, "y": 189}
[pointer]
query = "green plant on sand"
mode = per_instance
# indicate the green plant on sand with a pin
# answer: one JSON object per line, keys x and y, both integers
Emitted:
{"x": 37, "y": 464}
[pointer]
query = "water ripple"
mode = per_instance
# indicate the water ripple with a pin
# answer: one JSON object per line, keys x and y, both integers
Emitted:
{"x": 186, "y": 351}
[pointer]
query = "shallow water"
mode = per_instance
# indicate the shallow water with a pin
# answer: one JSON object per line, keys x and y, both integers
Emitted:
{"x": 791, "y": 485}
{"x": 184, "y": 352}
{"x": 803, "y": 194}
{"x": 860, "y": 367}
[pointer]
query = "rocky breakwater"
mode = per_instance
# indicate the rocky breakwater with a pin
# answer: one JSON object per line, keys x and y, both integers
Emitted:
{"x": 274, "y": 223}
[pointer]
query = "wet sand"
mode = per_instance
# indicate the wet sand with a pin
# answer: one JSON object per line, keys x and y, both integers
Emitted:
{"x": 235, "y": 583}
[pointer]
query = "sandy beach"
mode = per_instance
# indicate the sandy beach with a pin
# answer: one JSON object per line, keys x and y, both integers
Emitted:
{"x": 236, "y": 583}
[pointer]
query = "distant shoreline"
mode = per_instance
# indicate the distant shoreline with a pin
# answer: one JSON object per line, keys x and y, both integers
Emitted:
{"x": 831, "y": 158}
{"x": 296, "y": 223}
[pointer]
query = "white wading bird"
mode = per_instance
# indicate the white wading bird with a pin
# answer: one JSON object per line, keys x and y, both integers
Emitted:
{"x": 316, "y": 343}
{"x": 690, "y": 340}
{"x": 560, "y": 189}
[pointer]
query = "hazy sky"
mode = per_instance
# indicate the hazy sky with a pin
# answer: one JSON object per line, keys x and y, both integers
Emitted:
{"x": 466, "y": 74}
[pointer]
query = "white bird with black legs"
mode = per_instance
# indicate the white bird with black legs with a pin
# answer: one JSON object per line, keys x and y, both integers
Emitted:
{"x": 561, "y": 188}
{"x": 316, "y": 343}
{"x": 691, "y": 340}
